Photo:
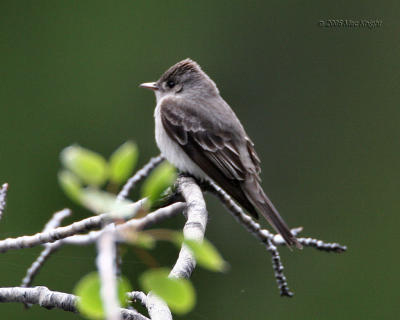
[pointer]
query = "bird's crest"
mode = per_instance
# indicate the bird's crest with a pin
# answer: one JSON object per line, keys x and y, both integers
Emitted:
{"x": 181, "y": 68}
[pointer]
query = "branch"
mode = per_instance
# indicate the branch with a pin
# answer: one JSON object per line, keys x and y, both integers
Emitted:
{"x": 130, "y": 184}
{"x": 105, "y": 261}
{"x": 57, "y": 219}
{"x": 321, "y": 245}
{"x": 48, "y": 299}
{"x": 53, "y": 235}
{"x": 139, "y": 175}
{"x": 49, "y": 249}
{"x": 195, "y": 226}
{"x": 269, "y": 239}
{"x": 3, "y": 195}
{"x": 153, "y": 217}
{"x": 41, "y": 296}
{"x": 138, "y": 224}
{"x": 106, "y": 243}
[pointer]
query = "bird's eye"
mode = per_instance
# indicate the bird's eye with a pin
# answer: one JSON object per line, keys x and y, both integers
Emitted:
{"x": 171, "y": 84}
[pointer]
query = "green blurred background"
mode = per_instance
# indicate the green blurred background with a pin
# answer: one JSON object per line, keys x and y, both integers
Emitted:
{"x": 321, "y": 104}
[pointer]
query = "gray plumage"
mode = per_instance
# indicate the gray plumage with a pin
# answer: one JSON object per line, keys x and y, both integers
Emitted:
{"x": 199, "y": 133}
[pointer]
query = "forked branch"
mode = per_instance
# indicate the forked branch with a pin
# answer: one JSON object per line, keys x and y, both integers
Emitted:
{"x": 102, "y": 230}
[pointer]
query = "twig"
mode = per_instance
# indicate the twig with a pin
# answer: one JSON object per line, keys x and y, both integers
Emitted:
{"x": 278, "y": 268}
{"x": 153, "y": 217}
{"x": 268, "y": 238}
{"x": 3, "y": 195}
{"x": 49, "y": 249}
{"x": 57, "y": 219}
{"x": 306, "y": 242}
{"x": 48, "y": 299}
{"x": 323, "y": 246}
{"x": 130, "y": 184}
{"x": 138, "y": 224}
{"x": 138, "y": 176}
{"x": 33, "y": 270}
{"x": 105, "y": 261}
{"x": 255, "y": 229}
{"x": 90, "y": 238}
{"x": 53, "y": 235}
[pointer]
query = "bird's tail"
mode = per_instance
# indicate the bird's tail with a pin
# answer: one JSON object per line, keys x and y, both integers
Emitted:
{"x": 252, "y": 188}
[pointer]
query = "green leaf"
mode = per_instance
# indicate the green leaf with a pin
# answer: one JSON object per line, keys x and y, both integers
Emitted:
{"x": 100, "y": 201}
{"x": 158, "y": 181}
{"x": 179, "y": 294}
{"x": 71, "y": 185}
{"x": 122, "y": 162}
{"x": 88, "y": 290}
{"x": 89, "y": 166}
{"x": 205, "y": 253}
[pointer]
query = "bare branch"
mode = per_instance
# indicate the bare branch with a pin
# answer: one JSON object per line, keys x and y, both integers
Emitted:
{"x": 138, "y": 176}
{"x": 138, "y": 224}
{"x": 255, "y": 229}
{"x": 278, "y": 270}
{"x": 321, "y": 245}
{"x": 131, "y": 183}
{"x": 131, "y": 314}
{"x": 153, "y": 217}
{"x": 150, "y": 219}
{"x": 269, "y": 239}
{"x": 53, "y": 235}
{"x": 48, "y": 299}
{"x": 57, "y": 219}
{"x": 41, "y": 296}
{"x": 105, "y": 261}
{"x": 49, "y": 249}
{"x": 194, "y": 228}
{"x": 157, "y": 308}
{"x": 38, "y": 263}
{"x": 3, "y": 195}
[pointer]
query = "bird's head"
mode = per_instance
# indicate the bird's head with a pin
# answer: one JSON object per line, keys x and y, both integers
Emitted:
{"x": 183, "y": 78}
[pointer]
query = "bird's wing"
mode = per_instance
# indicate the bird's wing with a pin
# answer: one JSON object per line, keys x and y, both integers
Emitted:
{"x": 225, "y": 153}
{"x": 253, "y": 156}
{"x": 212, "y": 145}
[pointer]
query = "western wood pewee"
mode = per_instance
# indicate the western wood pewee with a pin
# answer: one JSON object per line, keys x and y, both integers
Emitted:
{"x": 199, "y": 133}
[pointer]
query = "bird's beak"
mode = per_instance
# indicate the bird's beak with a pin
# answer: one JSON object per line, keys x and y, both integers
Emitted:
{"x": 149, "y": 85}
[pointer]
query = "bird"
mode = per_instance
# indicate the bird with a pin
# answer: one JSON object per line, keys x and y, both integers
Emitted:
{"x": 199, "y": 133}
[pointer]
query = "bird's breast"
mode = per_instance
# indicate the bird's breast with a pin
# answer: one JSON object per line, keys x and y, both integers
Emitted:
{"x": 171, "y": 150}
